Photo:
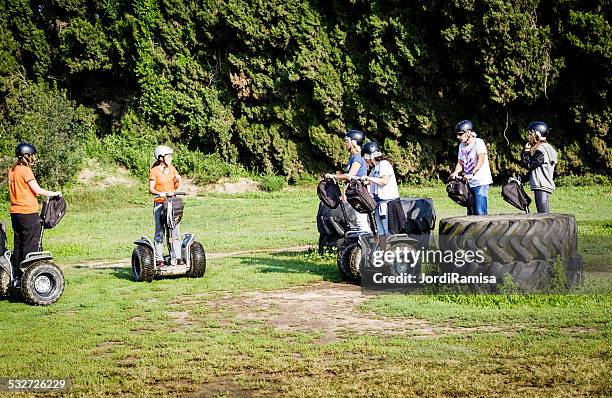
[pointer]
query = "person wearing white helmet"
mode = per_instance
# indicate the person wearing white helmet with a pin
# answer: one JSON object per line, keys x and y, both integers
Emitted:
{"x": 163, "y": 178}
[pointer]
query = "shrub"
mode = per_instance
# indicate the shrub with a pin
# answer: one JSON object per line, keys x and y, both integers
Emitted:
{"x": 272, "y": 183}
{"x": 55, "y": 125}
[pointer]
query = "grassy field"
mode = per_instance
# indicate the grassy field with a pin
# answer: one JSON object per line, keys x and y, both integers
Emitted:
{"x": 283, "y": 324}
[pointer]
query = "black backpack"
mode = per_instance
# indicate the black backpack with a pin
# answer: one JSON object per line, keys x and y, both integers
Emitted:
{"x": 459, "y": 191}
{"x": 172, "y": 211}
{"x": 359, "y": 197}
{"x": 329, "y": 193}
{"x": 514, "y": 193}
{"x": 53, "y": 211}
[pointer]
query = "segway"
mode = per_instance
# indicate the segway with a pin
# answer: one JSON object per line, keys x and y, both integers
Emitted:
{"x": 192, "y": 255}
{"x": 41, "y": 281}
{"x": 355, "y": 255}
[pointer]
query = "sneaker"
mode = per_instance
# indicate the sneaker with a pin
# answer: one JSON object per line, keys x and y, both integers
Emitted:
{"x": 180, "y": 262}
{"x": 160, "y": 263}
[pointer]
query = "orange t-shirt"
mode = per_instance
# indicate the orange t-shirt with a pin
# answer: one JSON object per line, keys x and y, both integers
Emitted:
{"x": 164, "y": 182}
{"x": 23, "y": 199}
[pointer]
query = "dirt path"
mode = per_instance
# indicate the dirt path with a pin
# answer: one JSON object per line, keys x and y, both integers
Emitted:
{"x": 126, "y": 262}
{"x": 329, "y": 308}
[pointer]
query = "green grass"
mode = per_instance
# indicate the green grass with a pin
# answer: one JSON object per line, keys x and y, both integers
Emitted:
{"x": 113, "y": 337}
{"x": 103, "y": 224}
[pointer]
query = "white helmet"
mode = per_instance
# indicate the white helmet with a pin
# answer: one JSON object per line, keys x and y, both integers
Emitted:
{"x": 162, "y": 150}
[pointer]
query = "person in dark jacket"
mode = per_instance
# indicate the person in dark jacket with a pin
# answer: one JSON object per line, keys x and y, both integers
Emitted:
{"x": 540, "y": 159}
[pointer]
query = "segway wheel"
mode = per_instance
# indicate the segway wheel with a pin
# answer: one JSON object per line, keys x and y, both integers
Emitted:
{"x": 198, "y": 261}
{"x": 42, "y": 283}
{"x": 5, "y": 281}
{"x": 350, "y": 259}
{"x": 143, "y": 264}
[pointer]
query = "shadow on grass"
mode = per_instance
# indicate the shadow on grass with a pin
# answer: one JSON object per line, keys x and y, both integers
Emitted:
{"x": 295, "y": 263}
{"x": 123, "y": 273}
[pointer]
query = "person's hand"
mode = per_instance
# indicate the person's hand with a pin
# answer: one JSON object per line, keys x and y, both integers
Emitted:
{"x": 57, "y": 193}
{"x": 327, "y": 175}
{"x": 527, "y": 147}
{"x": 162, "y": 194}
{"x": 177, "y": 178}
{"x": 453, "y": 176}
{"x": 468, "y": 177}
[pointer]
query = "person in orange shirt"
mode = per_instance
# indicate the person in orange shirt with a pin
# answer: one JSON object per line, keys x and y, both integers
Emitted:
{"x": 23, "y": 189}
{"x": 163, "y": 178}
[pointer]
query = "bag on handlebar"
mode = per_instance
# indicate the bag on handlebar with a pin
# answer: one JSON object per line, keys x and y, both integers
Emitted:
{"x": 459, "y": 191}
{"x": 329, "y": 193}
{"x": 359, "y": 197}
{"x": 53, "y": 211}
{"x": 172, "y": 211}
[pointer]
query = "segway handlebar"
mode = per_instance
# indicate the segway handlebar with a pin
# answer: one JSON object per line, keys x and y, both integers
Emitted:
{"x": 171, "y": 194}
{"x": 362, "y": 179}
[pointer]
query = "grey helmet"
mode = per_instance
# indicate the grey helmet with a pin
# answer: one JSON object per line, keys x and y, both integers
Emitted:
{"x": 162, "y": 150}
{"x": 540, "y": 128}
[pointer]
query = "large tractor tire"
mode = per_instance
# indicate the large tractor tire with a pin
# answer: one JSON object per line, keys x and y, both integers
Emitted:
{"x": 42, "y": 283}
{"x": 198, "y": 260}
{"x": 143, "y": 264}
{"x": 525, "y": 246}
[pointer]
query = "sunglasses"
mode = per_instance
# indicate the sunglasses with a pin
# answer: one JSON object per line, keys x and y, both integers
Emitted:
{"x": 460, "y": 134}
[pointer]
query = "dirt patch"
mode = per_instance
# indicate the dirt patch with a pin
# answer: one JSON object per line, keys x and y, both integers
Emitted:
{"x": 328, "y": 308}
{"x": 226, "y": 186}
{"x": 96, "y": 175}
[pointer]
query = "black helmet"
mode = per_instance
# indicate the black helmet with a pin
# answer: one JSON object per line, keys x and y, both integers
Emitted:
{"x": 24, "y": 148}
{"x": 355, "y": 135}
{"x": 540, "y": 127}
{"x": 464, "y": 125}
{"x": 370, "y": 148}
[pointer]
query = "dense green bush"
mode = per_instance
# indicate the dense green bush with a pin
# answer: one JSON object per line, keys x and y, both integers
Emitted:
{"x": 273, "y": 84}
{"x": 272, "y": 183}
{"x": 55, "y": 125}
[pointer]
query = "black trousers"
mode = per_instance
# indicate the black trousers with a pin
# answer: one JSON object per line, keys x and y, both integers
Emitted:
{"x": 27, "y": 230}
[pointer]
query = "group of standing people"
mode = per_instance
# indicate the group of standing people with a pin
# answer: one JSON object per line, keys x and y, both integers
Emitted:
{"x": 539, "y": 157}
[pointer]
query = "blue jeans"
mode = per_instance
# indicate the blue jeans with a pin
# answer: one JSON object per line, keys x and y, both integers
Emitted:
{"x": 479, "y": 205}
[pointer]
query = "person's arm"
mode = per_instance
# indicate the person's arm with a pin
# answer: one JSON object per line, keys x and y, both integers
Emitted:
{"x": 177, "y": 179}
{"x": 154, "y": 191}
{"x": 534, "y": 161}
{"x": 458, "y": 169}
{"x": 346, "y": 176}
{"x": 40, "y": 191}
{"x": 382, "y": 181}
{"x": 479, "y": 162}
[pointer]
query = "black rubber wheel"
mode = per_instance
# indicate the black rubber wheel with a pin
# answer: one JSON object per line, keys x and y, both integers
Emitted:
{"x": 198, "y": 261}
{"x": 143, "y": 264}
{"x": 42, "y": 283}
{"x": 526, "y": 246}
{"x": 399, "y": 267}
{"x": 349, "y": 259}
{"x": 5, "y": 281}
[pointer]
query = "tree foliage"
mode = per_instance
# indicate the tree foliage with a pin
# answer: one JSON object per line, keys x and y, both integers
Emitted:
{"x": 273, "y": 84}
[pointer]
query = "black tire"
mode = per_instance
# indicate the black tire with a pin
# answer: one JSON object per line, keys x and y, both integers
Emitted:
{"x": 198, "y": 261}
{"x": 42, "y": 283}
{"x": 526, "y": 246}
{"x": 349, "y": 260}
{"x": 397, "y": 268}
{"x": 143, "y": 264}
{"x": 5, "y": 281}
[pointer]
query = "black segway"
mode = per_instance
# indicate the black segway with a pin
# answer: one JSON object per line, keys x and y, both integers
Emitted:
{"x": 41, "y": 281}
{"x": 144, "y": 267}
{"x": 356, "y": 254}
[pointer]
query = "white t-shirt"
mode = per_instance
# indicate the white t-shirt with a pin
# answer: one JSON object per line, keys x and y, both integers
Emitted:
{"x": 468, "y": 155}
{"x": 385, "y": 192}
